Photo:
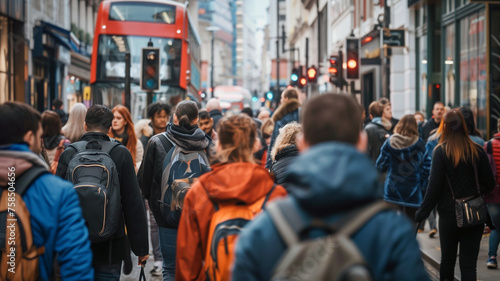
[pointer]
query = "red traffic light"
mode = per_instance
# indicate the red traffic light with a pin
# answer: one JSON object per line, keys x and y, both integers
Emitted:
{"x": 311, "y": 73}
{"x": 303, "y": 81}
{"x": 352, "y": 63}
{"x": 332, "y": 70}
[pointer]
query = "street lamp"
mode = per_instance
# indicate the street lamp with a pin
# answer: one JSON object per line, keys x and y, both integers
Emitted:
{"x": 213, "y": 29}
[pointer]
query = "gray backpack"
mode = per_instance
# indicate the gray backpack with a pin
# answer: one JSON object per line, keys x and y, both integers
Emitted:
{"x": 95, "y": 177}
{"x": 334, "y": 257}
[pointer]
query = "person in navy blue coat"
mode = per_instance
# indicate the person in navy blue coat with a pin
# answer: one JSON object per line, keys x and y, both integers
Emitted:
{"x": 404, "y": 158}
{"x": 330, "y": 178}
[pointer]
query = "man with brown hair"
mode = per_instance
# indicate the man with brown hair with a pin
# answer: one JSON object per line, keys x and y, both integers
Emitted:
{"x": 287, "y": 112}
{"x": 376, "y": 130}
{"x": 331, "y": 178}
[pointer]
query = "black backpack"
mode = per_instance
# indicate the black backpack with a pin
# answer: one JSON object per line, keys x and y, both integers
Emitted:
{"x": 95, "y": 177}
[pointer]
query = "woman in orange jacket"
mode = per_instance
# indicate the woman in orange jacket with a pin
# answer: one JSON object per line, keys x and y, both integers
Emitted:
{"x": 221, "y": 202}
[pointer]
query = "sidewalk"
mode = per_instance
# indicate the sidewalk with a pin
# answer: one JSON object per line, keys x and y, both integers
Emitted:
{"x": 431, "y": 252}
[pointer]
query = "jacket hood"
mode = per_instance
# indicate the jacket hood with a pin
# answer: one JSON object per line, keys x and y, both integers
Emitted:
{"x": 286, "y": 108}
{"x": 190, "y": 139}
{"x": 52, "y": 142}
{"x": 243, "y": 182}
{"x": 332, "y": 176}
{"x": 290, "y": 150}
{"x": 382, "y": 122}
{"x": 19, "y": 157}
{"x": 398, "y": 141}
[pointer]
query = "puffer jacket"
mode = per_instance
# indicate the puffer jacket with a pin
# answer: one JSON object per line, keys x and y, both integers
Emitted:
{"x": 283, "y": 159}
{"x": 407, "y": 165}
{"x": 377, "y": 134}
{"x": 326, "y": 181}
{"x": 234, "y": 182}
{"x": 151, "y": 168}
{"x": 494, "y": 196}
{"x": 283, "y": 115}
{"x": 56, "y": 217}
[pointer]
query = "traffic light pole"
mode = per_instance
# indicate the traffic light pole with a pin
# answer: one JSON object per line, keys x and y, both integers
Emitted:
{"x": 127, "y": 81}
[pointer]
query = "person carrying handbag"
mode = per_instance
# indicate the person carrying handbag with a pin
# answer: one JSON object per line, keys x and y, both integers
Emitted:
{"x": 460, "y": 174}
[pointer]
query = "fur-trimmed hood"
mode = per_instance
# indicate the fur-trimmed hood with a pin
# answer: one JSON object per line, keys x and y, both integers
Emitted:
{"x": 286, "y": 108}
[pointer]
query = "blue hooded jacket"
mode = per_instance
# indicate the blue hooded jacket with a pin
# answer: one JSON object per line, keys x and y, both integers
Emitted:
{"x": 56, "y": 219}
{"x": 326, "y": 181}
{"x": 408, "y": 166}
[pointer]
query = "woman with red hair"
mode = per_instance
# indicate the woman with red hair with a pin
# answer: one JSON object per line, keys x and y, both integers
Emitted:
{"x": 122, "y": 129}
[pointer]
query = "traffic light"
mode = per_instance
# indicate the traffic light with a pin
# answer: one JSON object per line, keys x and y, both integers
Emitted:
{"x": 352, "y": 58}
{"x": 312, "y": 74}
{"x": 335, "y": 70}
{"x": 150, "y": 69}
{"x": 270, "y": 95}
{"x": 302, "y": 82}
{"x": 294, "y": 77}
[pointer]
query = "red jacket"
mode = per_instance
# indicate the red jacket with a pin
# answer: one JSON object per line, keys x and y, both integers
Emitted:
{"x": 235, "y": 182}
{"x": 494, "y": 196}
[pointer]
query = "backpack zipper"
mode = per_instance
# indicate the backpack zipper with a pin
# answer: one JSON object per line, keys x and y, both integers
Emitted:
{"x": 105, "y": 203}
{"x": 91, "y": 165}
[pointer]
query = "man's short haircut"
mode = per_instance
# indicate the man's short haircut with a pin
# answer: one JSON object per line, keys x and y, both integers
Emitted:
{"x": 438, "y": 102}
{"x": 203, "y": 114}
{"x": 331, "y": 117}
{"x": 157, "y": 107}
{"x": 16, "y": 119}
{"x": 248, "y": 111}
{"x": 376, "y": 109}
{"x": 384, "y": 101}
{"x": 291, "y": 93}
{"x": 99, "y": 118}
{"x": 57, "y": 103}
{"x": 213, "y": 104}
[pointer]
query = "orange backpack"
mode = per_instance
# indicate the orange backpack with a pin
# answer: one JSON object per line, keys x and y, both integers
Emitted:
{"x": 20, "y": 257}
{"x": 225, "y": 227}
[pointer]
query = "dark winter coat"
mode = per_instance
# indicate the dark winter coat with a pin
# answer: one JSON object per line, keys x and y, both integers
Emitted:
{"x": 462, "y": 181}
{"x": 134, "y": 212}
{"x": 407, "y": 165}
{"x": 429, "y": 126}
{"x": 283, "y": 115}
{"x": 326, "y": 181}
{"x": 216, "y": 115}
{"x": 151, "y": 168}
{"x": 283, "y": 159}
{"x": 377, "y": 135}
{"x": 63, "y": 115}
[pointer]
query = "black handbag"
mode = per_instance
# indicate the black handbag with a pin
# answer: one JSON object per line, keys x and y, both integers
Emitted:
{"x": 471, "y": 210}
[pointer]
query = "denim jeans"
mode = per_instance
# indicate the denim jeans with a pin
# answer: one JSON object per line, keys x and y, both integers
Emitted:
{"x": 168, "y": 244}
{"x": 108, "y": 272}
{"x": 494, "y": 210}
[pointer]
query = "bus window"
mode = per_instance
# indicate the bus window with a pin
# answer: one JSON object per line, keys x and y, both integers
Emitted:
{"x": 142, "y": 12}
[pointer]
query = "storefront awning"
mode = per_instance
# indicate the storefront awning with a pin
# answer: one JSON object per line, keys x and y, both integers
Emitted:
{"x": 62, "y": 36}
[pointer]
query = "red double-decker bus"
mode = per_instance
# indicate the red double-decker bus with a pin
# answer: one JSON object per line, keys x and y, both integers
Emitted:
{"x": 128, "y": 26}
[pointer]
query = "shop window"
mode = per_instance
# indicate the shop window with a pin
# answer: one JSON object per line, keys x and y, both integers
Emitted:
{"x": 449, "y": 66}
{"x": 422, "y": 73}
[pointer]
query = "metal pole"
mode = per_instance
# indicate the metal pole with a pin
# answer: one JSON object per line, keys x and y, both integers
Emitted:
{"x": 319, "y": 33}
{"x": 307, "y": 63}
{"x": 277, "y": 49}
{"x": 127, "y": 81}
{"x": 212, "y": 67}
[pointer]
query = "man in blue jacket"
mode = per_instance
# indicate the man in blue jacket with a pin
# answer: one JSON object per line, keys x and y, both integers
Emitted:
{"x": 330, "y": 178}
{"x": 56, "y": 217}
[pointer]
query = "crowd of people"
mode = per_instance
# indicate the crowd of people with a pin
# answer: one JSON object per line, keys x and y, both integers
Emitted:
{"x": 205, "y": 189}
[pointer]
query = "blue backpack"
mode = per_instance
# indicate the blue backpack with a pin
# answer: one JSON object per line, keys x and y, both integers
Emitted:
{"x": 181, "y": 168}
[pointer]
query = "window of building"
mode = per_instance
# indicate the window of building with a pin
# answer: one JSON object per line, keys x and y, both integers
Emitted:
{"x": 449, "y": 66}
{"x": 282, "y": 17}
{"x": 422, "y": 73}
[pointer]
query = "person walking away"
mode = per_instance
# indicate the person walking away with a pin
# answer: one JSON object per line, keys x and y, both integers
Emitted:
{"x": 474, "y": 134}
{"x": 184, "y": 133}
{"x": 125, "y": 208}
{"x": 215, "y": 110}
{"x": 52, "y": 203}
{"x": 433, "y": 123}
{"x": 122, "y": 129}
{"x": 53, "y": 140}
{"x": 287, "y": 112}
{"x": 457, "y": 165}
{"x": 236, "y": 178}
{"x": 74, "y": 128}
{"x": 492, "y": 200}
{"x": 376, "y": 130}
{"x": 330, "y": 178}
{"x": 158, "y": 112}
{"x": 285, "y": 151}
{"x": 57, "y": 106}
{"x": 405, "y": 187}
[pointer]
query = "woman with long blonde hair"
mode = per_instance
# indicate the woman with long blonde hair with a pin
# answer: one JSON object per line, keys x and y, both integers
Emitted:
{"x": 122, "y": 129}
{"x": 74, "y": 128}
{"x": 459, "y": 168}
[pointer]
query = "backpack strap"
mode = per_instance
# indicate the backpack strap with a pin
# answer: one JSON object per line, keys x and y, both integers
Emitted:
{"x": 287, "y": 220}
{"x": 107, "y": 146}
{"x": 166, "y": 142}
{"x": 352, "y": 223}
{"x": 267, "y": 196}
{"x": 28, "y": 178}
{"x": 79, "y": 146}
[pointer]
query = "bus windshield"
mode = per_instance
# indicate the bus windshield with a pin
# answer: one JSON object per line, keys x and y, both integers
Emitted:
{"x": 111, "y": 58}
{"x": 142, "y": 12}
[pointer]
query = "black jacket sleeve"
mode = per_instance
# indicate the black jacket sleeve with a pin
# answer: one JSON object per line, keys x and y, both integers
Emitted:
{"x": 486, "y": 179}
{"x": 436, "y": 182}
{"x": 146, "y": 171}
{"x": 132, "y": 204}
{"x": 64, "y": 159}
